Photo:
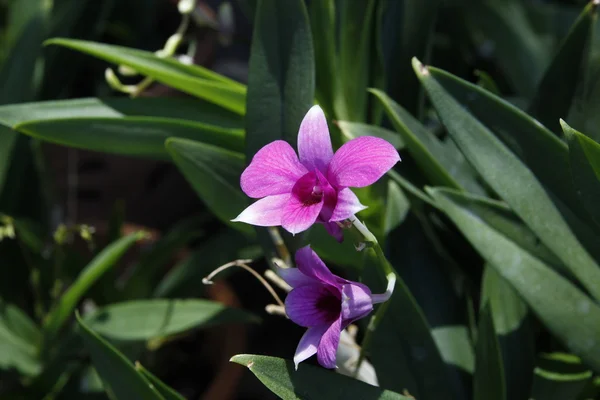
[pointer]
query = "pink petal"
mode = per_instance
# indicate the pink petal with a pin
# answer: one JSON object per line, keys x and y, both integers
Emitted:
{"x": 298, "y": 217}
{"x": 309, "y": 343}
{"x": 347, "y": 205}
{"x": 294, "y": 278}
{"x": 273, "y": 170}
{"x": 329, "y": 343}
{"x": 356, "y": 302}
{"x": 265, "y": 212}
{"x": 312, "y": 305}
{"x": 361, "y": 162}
{"x": 314, "y": 143}
{"x": 309, "y": 263}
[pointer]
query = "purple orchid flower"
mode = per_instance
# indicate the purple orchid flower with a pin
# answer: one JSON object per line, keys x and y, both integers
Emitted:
{"x": 296, "y": 193}
{"x": 325, "y": 304}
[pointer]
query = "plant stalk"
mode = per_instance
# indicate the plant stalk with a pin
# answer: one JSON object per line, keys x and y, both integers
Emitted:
{"x": 368, "y": 239}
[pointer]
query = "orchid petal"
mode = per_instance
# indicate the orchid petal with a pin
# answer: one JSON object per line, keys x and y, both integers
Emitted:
{"x": 295, "y": 278}
{"x": 312, "y": 305}
{"x": 265, "y": 212}
{"x": 309, "y": 263}
{"x": 329, "y": 343}
{"x": 309, "y": 343}
{"x": 314, "y": 143}
{"x": 298, "y": 217}
{"x": 273, "y": 170}
{"x": 361, "y": 162}
{"x": 347, "y": 205}
{"x": 356, "y": 302}
{"x": 334, "y": 230}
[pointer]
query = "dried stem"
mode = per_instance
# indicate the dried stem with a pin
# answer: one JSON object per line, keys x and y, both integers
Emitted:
{"x": 244, "y": 265}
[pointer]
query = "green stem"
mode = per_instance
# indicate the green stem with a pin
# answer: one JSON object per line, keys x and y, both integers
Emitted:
{"x": 366, "y": 238}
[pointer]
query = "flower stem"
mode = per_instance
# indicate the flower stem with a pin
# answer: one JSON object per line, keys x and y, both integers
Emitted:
{"x": 366, "y": 237}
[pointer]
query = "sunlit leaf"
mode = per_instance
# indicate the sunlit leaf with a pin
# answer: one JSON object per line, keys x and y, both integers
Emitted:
{"x": 559, "y": 376}
{"x": 148, "y": 319}
{"x": 513, "y": 181}
{"x": 569, "y": 314}
{"x": 309, "y": 382}
{"x": 192, "y": 79}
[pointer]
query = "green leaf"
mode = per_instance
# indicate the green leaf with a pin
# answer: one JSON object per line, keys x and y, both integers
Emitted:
{"x": 281, "y": 80}
{"x": 397, "y": 207}
{"x": 487, "y": 82}
{"x": 514, "y": 332}
{"x": 309, "y": 382}
{"x": 403, "y": 350}
{"x": 119, "y": 377}
{"x": 19, "y": 341}
{"x": 433, "y": 158}
{"x": 167, "y": 392}
{"x": 352, "y": 130}
{"x": 513, "y": 181}
{"x": 584, "y": 154}
{"x": 17, "y": 72}
{"x": 502, "y": 218}
{"x": 488, "y": 379}
{"x": 411, "y": 190}
{"x": 191, "y": 79}
{"x": 322, "y": 20}
{"x": 536, "y": 146}
{"x": 565, "y": 310}
{"x": 356, "y": 19}
{"x": 559, "y": 376}
{"x": 170, "y": 108}
{"x": 455, "y": 347}
{"x": 148, "y": 319}
{"x": 556, "y": 91}
{"x": 103, "y": 262}
{"x": 408, "y": 31}
{"x": 8, "y": 140}
{"x": 136, "y": 136}
{"x": 214, "y": 174}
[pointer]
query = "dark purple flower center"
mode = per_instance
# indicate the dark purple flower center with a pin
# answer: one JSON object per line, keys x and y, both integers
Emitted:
{"x": 310, "y": 189}
{"x": 330, "y": 305}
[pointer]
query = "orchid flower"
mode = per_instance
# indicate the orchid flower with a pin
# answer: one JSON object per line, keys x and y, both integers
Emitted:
{"x": 297, "y": 192}
{"x": 325, "y": 304}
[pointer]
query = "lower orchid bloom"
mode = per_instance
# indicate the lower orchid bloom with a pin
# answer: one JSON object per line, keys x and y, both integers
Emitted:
{"x": 325, "y": 304}
{"x": 297, "y": 192}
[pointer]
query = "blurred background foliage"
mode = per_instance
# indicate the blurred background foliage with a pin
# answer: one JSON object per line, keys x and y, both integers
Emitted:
{"x": 117, "y": 187}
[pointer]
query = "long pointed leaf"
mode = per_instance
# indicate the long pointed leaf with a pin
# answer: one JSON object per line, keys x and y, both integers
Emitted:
{"x": 119, "y": 377}
{"x": 513, "y": 181}
{"x": 309, "y": 382}
{"x": 135, "y": 136}
{"x": 192, "y": 79}
{"x": 569, "y": 313}
{"x": 584, "y": 154}
{"x": 488, "y": 380}
{"x": 281, "y": 84}
{"x": 105, "y": 260}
